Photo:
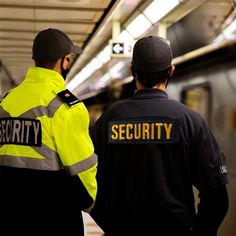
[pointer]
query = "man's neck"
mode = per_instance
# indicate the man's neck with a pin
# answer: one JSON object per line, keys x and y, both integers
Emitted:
{"x": 161, "y": 86}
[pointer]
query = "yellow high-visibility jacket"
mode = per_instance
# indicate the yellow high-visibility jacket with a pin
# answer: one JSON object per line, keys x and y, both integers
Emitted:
{"x": 44, "y": 129}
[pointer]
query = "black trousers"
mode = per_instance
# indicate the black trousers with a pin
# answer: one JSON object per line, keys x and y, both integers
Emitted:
{"x": 146, "y": 225}
{"x": 22, "y": 224}
{"x": 27, "y": 207}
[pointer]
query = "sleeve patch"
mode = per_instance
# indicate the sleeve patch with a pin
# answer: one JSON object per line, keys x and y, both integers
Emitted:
{"x": 68, "y": 97}
{"x": 20, "y": 131}
{"x": 223, "y": 169}
{"x": 157, "y": 130}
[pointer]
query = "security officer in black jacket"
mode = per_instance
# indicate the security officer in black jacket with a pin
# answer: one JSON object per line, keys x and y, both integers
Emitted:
{"x": 151, "y": 151}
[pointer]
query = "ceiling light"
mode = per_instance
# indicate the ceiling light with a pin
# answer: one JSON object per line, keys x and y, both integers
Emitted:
{"x": 95, "y": 64}
{"x": 102, "y": 82}
{"x": 159, "y": 8}
{"x": 228, "y": 33}
{"x": 115, "y": 71}
{"x": 105, "y": 55}
{"x": 230, "y": 29}
{"x": 125, "y": 36}
{"x": 138, "y": 26}
{"x": 79, "y": 78}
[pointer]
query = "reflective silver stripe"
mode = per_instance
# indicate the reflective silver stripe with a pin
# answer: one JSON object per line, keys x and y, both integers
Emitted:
{"x": 52, "y": 160}
{"x": 47, "y": 152}
{"x": 39, "y": 111}
{"x": 82, "y": 165}
{"x": 49, "y": 111}
{"x": 3, "y": 113}
{"x": 31, "y": 163}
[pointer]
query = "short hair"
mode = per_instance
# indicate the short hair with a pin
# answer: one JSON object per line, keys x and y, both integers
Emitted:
{"x": 47, "y": 65}
{"x": 150, "y": 79}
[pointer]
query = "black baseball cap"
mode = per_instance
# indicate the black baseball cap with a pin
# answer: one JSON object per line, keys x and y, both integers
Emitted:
{"x": 51, "y": 45}
{"x": 151, "y": 54}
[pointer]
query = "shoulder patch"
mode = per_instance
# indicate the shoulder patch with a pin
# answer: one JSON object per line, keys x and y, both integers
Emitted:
{"x": 68, "y": 97}
{"x": 223, "y": 169}
{"x": 144, "y": 130}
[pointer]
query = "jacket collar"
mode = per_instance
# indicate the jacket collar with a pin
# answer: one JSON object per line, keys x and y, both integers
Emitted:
{"x": 42, "y": 75}
{"x": 149, "y": 93}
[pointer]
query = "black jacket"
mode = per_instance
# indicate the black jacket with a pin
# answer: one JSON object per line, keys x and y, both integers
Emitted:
{"x": 151, "y": 151}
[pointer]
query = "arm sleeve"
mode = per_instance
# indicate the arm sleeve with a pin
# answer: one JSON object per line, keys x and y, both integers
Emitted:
{"x": 99, "y": 211}
{"x": 75, "y": 147}
{"x": 210, "y": 178}
{"x": 212, "y": 209}
{"x": 209, "y": 164}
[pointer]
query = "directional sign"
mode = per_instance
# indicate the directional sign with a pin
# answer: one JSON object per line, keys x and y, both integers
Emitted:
{"x": 121, "y": 49}
{"x": 118, "y": 48}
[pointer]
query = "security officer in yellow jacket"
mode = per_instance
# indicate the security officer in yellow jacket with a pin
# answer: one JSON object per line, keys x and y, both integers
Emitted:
{"x": 47, "y": 160}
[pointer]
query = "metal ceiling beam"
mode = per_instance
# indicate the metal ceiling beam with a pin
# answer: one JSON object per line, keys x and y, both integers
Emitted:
{"x": 15, "y": 52}
{"x": 52, "y": 7}
{"x": 62, "y": 21}
{"x": 15, "y": 46}
{"x": 35, "y": 31}
{"x": 5, "y": 57}
{"x": 16, "y": 39}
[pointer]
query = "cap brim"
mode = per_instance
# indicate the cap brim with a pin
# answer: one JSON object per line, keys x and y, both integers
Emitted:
{"x": 76, "y": 49}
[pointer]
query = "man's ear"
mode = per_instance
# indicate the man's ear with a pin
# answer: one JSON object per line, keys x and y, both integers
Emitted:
{"x": 172, "y": 69}
{"x": 134, "y": 81}
{"x": 65, "y": 63}
{"x": 170, "y": 75}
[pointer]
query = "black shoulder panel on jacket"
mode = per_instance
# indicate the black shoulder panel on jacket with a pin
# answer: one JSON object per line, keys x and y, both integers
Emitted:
{"x": 67, "y": 97}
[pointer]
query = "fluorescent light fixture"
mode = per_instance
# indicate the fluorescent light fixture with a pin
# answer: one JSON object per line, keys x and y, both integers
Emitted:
{"x": 105, "y": 55}
{"x": 228, "y": 33}
{"x": 159, "y": 8}
{"x": 79, "y": 78}
{"x": 230, "y": 29}
{"x": 102, "y": 82}
{"x": 95, "y": 64}
{"x": 219, "y": 38}
{"x": 125, "y": 36}
{"x": 138, "y": 26}
{"x": 115, "y": 70}
{"x": 90, "y": 68}
{"x": 74, "y": 83}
